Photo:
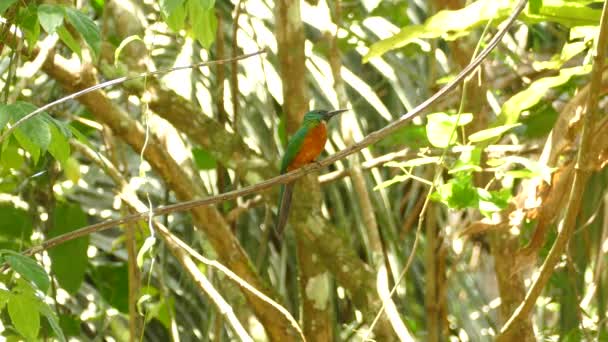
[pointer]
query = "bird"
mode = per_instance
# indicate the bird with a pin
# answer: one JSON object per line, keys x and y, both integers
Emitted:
{"x": 303, "y": 148}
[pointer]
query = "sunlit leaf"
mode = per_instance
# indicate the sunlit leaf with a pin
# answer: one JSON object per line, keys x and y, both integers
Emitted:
{"x": 50, "y": 17}
{"x": 440, "y": 128}
{"x": 23, "y": 311}
{"x": 72, "y": 169}
{"x": 447, "y": 24}
{"x": 203, "y": 21}
{"x": 177, "y": 18}
{"x": 530, "y": 96}
{"x": 490, "y": 133}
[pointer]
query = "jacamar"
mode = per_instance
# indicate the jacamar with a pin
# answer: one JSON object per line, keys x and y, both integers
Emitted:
{"x": 304, "y": 147}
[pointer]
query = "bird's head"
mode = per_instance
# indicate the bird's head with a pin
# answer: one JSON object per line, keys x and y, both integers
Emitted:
{"x": 318, "y": 115}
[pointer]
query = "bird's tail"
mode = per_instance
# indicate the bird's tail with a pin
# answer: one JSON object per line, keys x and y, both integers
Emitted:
{"x": 284, "y": 205}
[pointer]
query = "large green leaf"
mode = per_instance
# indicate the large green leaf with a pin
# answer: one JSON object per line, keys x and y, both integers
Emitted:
{"x": 23, "y": 311}
{"x": 203, "y": 21}
{"x": 441, "y": 126}
{"x": 36, "y": 130}
{"x": 530, "y": 96}
{"x": 69, "y": 260}
{"x": 490, "y": 133}
{"x": 5, "y": 4}
{"x": 50, "y": 17}
{"x": 28, "y": 268}
{"x": 87, "y": 28}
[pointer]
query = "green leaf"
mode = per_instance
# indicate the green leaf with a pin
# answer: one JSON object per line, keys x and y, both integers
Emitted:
{"x": 23, "y": 311}
{"x": 70, "y": 325}
{"x": 87, "y": 28}
{"x": 46, "y": 311}
{"x": 203, "y": 21}
{"x": 11, "y": 159}
{"x": 50, "y": 17}
{"x": 458, "y": 193}
{"x": 67, "y": 38}
{"x": 5, "y": 4}
{"x": 203, "y": 159}
{"x": 27, "y": 145}
{"x": 145, "y": 248}
{"x": 177, "y": 18}
{"x": 167, "y": 7}
{"x": 530, "y": 96}
{"x": 30, "y": 25}
{"x": 15, "y": 227}
{"x": 535, "y": 6}
{"x": 4, "y": 297}
{"x": 446, "y": 24}
{"x": 59, "y": 147}
{"x": 490, "y": 133}
{"x": 71, "y": 170}
{"x": 69, "y": 260}
{"x": 493, "y": 201}
{"x": 440, "y": 127}
{"x": 36, "y": 129}
{"x": 28, "y": 268}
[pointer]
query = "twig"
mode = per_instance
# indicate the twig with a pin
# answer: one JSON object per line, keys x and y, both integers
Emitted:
{"x": 581, "y": 175}
{"x": 293, "y": 175}
{"x": 117, "y": 81}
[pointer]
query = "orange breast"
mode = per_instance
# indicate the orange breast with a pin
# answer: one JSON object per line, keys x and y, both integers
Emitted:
{"x": 313, "y": 145}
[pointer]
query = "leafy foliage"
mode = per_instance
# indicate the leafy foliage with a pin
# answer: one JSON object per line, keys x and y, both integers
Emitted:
{"x": 477, "y": 156}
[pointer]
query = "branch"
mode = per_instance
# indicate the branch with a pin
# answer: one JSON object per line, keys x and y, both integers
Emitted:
{"x": 581, "y": 175}
{"x": 118, "y": 81}
{"x": 293, "y": 175}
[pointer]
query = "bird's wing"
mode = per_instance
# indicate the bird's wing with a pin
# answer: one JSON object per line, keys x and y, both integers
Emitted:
{"x": 293, "y": 147}
{"x": 284, "y": 205}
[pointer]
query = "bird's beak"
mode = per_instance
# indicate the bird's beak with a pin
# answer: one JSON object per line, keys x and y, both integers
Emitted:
{"x": 331, "y": 114}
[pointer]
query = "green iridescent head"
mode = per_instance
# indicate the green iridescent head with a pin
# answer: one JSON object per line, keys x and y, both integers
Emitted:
{"x": 318, "y": 115}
